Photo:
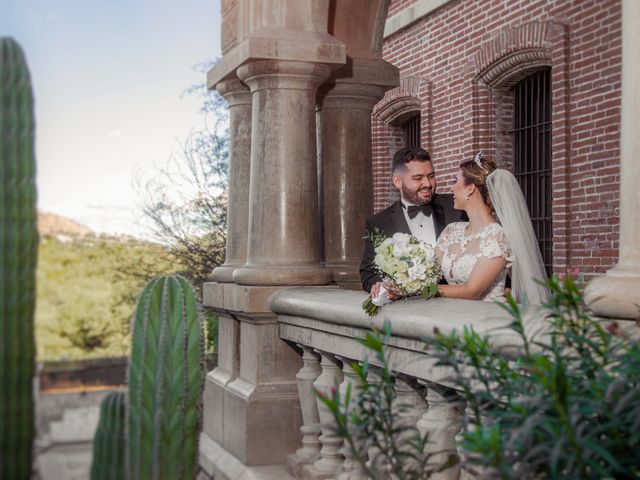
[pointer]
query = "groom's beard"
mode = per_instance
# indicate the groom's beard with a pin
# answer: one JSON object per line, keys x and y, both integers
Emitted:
{"x": 414, "y": 197}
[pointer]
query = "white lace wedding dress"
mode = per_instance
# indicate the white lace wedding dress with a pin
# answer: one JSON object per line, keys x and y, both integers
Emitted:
{"x": 459, "y": 254}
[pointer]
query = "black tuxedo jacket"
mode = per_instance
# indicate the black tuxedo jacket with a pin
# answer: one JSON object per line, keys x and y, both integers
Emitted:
{"x": 391, "y": 220}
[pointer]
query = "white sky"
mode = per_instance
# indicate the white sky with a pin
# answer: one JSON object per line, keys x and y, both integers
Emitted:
{"x": 108, "y": 78}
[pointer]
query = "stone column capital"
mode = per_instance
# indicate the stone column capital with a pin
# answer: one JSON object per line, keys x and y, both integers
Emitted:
{"x": 234, "y": 91}
{"x": 367, "y": 71}
{"x": 284, "y": 74}
{"x": 348, "y": 95}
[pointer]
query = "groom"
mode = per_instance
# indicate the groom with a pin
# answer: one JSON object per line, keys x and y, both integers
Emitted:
{"x": 419, "y": 211}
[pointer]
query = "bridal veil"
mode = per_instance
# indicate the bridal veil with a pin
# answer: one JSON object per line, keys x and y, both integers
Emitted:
{"x": 527, "y": 266}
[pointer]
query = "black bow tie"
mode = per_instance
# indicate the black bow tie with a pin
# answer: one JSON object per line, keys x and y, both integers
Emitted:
{"x": 413, "y": 210}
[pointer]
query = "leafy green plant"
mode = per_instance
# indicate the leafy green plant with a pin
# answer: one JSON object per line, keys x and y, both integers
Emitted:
{"x": 109, "y": 441}
{"x": 18, "y": 245}
{"x": 568, "y": 407}
{"x": 165, "y": 382}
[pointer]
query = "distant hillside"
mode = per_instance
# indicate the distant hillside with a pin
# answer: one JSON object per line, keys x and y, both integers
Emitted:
{"x": 51, "y": 224}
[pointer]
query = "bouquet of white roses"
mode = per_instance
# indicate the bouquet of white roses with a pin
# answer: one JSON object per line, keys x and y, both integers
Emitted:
{"x": 405, "y": 264}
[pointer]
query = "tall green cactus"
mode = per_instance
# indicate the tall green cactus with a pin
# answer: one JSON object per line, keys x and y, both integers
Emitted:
{"x": 18, "y": 256}
{"x": 109, "y": 440}
{"x": 166, "y": 378}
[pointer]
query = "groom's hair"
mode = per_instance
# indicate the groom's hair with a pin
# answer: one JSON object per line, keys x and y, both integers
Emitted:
{"x": 406, "y": 155}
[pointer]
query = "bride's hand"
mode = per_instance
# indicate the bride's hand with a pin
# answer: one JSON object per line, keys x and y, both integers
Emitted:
{"x": 392, "y": 292}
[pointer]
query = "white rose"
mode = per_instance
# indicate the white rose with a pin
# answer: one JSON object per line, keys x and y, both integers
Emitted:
{"x": 401, "y": 249}
{"x": 417, "y": 271}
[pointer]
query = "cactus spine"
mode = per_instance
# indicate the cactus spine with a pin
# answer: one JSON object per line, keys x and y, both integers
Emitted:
{"x": 109, "y": 440}
{"x": 166, "y": 378}
{"x": 18, "y": 247}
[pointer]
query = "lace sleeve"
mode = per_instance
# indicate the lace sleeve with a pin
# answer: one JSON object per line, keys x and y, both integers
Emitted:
{"x": 495, "y": 244}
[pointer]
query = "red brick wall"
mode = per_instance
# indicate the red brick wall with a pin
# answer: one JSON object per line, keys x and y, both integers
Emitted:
{"x": 450, "y": 50}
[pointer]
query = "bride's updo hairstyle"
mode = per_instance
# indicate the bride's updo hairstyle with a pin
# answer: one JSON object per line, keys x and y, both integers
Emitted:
{"x": 476, "y": 171}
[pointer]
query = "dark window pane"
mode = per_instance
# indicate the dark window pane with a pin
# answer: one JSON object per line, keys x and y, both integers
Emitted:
{"x": 412, "y": 132}
{"x": 532, "y": 154}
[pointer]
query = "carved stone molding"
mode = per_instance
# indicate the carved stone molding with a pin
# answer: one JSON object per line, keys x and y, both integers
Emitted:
{"x": 515, "y": 53}
{"x": 510, "y": 69}
{"x": 401, "y": 102}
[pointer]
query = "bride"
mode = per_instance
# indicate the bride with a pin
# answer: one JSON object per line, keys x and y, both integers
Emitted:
{"x": 475, "y": 256}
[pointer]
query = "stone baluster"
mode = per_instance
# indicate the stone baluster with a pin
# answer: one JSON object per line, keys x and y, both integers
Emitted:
{"x": 330, "y": 459}
{"x": 351, "y": 468}
{"x": 376, "y": 460}
{"x": 616, "y": 294}
{"x": 283, "y": 245}
{"x": 408, "y": 407}
{"x": 472, "y": 472}
{"x": 310, "y": 429}
{"x": 238, "y": 98}
{"x": 442, "y": 422}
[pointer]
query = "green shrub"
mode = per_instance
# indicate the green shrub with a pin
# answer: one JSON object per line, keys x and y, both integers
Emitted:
{"x": 568, "y": 407}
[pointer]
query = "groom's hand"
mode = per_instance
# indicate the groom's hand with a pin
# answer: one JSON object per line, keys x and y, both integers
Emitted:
{"x": 392, "y": 294}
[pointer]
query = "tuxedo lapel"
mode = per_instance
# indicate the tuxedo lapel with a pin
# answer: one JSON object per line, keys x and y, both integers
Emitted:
{"x": 438, "y": 219}
{"x": 399, "y": 222}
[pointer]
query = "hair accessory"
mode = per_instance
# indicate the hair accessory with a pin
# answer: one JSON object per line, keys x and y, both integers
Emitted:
{"x": 478, "y": 159}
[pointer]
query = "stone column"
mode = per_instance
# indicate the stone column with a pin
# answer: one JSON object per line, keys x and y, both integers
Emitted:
{"x": 238, "y": 98}
{"x": 346, "y": 177}
{"x": 346, "y": 174}
{"x": 283, "y": 246}
{"x": 617, "y": 293}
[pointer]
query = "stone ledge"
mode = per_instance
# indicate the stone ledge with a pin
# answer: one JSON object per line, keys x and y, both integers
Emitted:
{"x": 411, "y": 14}
{"x": 411, "y": 317}
{"x": 237, "y": 298}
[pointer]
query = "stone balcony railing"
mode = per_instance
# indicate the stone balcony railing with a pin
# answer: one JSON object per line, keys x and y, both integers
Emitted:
{"x": 323, "y": 325}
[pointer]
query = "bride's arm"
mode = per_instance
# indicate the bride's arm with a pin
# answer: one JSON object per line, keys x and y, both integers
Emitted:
{"x": 484, "y": 273}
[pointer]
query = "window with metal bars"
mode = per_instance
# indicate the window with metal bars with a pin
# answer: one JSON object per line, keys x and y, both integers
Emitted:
{"x": 412, "y": 132}
{"x": 532, "y": 154}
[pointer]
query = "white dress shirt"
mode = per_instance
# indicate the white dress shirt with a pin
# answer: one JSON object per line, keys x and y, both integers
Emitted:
{"x": 421, "y": 225}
